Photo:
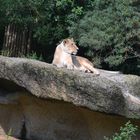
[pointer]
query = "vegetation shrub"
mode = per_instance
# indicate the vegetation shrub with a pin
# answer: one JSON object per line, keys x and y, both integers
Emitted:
{"x": 108, "y": 31}
{"x": 126, "y": 132}
{"x": 110, "y": 34}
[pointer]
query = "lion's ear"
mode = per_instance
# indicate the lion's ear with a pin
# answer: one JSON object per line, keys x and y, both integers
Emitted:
{"x": 65, "y": 41}
{"x": 72, "y": 39}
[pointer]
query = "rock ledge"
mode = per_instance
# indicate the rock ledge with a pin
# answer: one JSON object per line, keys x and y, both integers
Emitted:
{"x": 110, "y": 93}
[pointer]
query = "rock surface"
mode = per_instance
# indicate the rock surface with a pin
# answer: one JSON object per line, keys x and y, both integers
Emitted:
{"x": 31, "y": 118}
{"x": 39, "y": 101}
{"x": 110, "y": 93}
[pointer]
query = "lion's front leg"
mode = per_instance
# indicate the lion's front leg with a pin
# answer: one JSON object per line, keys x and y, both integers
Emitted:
{"x": 70, "y": 66}
{"x": 69, "y": 63}
{"x": 60, "y": 65}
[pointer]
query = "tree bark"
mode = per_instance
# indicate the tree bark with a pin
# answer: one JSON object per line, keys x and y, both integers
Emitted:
{"x": 17, "y": 41}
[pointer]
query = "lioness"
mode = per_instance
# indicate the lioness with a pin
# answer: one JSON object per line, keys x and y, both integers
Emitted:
{"x": 65, "y": 57}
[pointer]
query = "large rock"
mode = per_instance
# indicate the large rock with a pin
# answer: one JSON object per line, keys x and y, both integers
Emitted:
{"x": 39, "y": 101}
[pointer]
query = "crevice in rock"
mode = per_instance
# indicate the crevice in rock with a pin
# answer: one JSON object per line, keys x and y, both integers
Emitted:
{"x": 10, "y": 86}
{"x": 23, "y": 131}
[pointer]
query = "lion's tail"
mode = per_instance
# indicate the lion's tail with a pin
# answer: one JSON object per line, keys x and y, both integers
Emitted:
{"x": 109, "y": 72}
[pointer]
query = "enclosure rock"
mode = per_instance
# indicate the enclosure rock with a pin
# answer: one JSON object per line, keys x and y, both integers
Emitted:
{"x": 40, "y": 101}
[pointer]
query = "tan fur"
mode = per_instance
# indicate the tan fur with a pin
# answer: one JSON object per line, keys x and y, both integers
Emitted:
{"x": 65, "y": 57}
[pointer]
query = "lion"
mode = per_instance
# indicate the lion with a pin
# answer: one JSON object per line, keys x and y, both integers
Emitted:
{"x": 65, "y": 56}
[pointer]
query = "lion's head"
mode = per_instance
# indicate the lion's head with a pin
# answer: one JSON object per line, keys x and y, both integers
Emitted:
{"x": 69, "y": 46}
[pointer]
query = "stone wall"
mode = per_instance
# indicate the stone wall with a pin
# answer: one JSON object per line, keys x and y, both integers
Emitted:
{"x": 39, "y": 101}
{"x": 38, "y": 119}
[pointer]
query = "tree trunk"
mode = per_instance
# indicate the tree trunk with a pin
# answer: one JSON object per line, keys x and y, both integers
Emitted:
{"x": 17, "y": 41}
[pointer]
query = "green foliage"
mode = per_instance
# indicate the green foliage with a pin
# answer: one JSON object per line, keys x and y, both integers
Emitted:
{"x": 9, "y": 134}
{"x": 110, "y": 33}
{"x": 34, "y": 56}
{"x": 126, "y": 132}
{"x": 5, "y": 53}
{"x": 48, "y": 20}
